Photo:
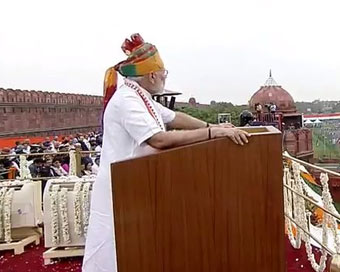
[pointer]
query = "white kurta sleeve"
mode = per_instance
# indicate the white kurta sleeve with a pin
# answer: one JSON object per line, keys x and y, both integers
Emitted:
{"x": 167, "y": 114}
{"x": 137, "y": 121}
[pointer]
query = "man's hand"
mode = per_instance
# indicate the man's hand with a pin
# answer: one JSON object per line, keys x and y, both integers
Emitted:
{"x": 236, "y": 135}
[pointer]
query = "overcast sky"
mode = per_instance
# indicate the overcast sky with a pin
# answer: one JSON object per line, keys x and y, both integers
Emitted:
{"x": 214, "y": 50}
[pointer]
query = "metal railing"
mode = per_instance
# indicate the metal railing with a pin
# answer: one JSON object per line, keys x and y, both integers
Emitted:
{"x": 296, "y": 195}
{"x": 293, "y": 203}
{"x": 78, "y": 155}
{"x": 48, "y": 153}
{"x": 288, "y": 157}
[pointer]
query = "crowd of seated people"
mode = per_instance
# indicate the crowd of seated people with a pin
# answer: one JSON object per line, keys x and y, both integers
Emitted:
{"x": 49, "y": 163}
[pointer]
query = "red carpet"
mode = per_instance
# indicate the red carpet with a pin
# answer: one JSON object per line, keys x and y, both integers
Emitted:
{"x": 32, "y": 261}
{"x": 297, "y": 259}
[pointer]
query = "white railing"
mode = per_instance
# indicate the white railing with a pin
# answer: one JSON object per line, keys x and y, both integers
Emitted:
{"x": 297, "y": 195}
{"x": 24, "y": 173}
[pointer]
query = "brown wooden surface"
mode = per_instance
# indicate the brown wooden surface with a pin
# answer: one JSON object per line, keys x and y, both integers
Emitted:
{"x": 209, "y": 207}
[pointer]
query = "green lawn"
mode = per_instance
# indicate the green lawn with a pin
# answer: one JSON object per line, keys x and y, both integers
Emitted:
{"x": 322, "y": 145}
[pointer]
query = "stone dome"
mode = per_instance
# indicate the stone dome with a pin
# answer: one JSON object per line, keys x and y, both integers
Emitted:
{"x": 271, "y": 92}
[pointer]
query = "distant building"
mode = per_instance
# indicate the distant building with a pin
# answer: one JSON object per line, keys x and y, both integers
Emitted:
{"x": 296, "y": 139}
{"x": 321, "y": 117}
{"x": 273, "y": 93}
{"x": 37, "y": 113}
{"x": 192, "y": 103}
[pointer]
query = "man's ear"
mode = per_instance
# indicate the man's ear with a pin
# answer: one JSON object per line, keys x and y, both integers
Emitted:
{"x": 152, "y": 77}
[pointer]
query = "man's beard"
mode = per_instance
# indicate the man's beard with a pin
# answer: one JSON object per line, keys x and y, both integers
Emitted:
{"x": 159, "y": 90}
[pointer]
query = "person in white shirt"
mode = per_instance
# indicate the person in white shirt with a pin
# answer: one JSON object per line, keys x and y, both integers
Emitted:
{"x": 272, "y": 108}
{"x": 26, "y": 146}
{"x": 98, "y": 149}
{"x": 95, "y": 166}
{"x": 57, "y": 170}
{"x": 134, "y": 125}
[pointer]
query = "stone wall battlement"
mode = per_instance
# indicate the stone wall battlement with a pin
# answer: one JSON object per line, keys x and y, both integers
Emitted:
{"x": 24, "y": 111}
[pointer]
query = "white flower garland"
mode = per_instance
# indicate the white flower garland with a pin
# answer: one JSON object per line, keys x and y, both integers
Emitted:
{"x": 133, "y": 85}
{"x": 54, "y": 214}
{"x": 322, "y": 266}
{"x": 77, "y": 208}
{"x": 73, "y": 163}
{"x": 2, "y": 198}
{"x": 290, "y": 198}
{"x": 328, "y": 204}
{"x": 64, "y": 215}
{"x": 24, "y": 170}
{"x": 7, "y": 214}
{"x": 300, "y": 216}
{"x": 86, "y": 206}
{"x": 81, "y": 205}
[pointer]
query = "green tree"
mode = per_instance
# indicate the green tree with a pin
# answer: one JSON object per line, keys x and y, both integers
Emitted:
{"x": 210, "y": 114}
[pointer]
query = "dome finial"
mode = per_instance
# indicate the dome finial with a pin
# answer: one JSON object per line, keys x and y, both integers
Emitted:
{"x": 270, "y": 81}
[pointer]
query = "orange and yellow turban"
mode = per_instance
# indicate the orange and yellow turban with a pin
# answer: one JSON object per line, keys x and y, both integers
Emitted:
{"x": 143, "y": 58}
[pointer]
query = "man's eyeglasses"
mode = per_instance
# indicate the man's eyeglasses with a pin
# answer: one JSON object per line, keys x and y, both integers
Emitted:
{"x": 164, "y": 73}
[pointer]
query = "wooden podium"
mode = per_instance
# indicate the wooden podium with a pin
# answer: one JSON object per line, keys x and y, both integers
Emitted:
{"x": 207, "y": 207}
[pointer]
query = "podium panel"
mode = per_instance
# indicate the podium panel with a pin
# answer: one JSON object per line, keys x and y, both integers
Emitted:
{"x": 207, "y": 207}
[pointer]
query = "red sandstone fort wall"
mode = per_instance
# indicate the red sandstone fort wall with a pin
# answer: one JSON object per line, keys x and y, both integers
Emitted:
{"x": 40, "y": 113}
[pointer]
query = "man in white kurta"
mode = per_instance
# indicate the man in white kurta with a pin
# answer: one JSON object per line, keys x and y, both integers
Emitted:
{"x": 134, "y": 125}
{"x": 127, "y": 125}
